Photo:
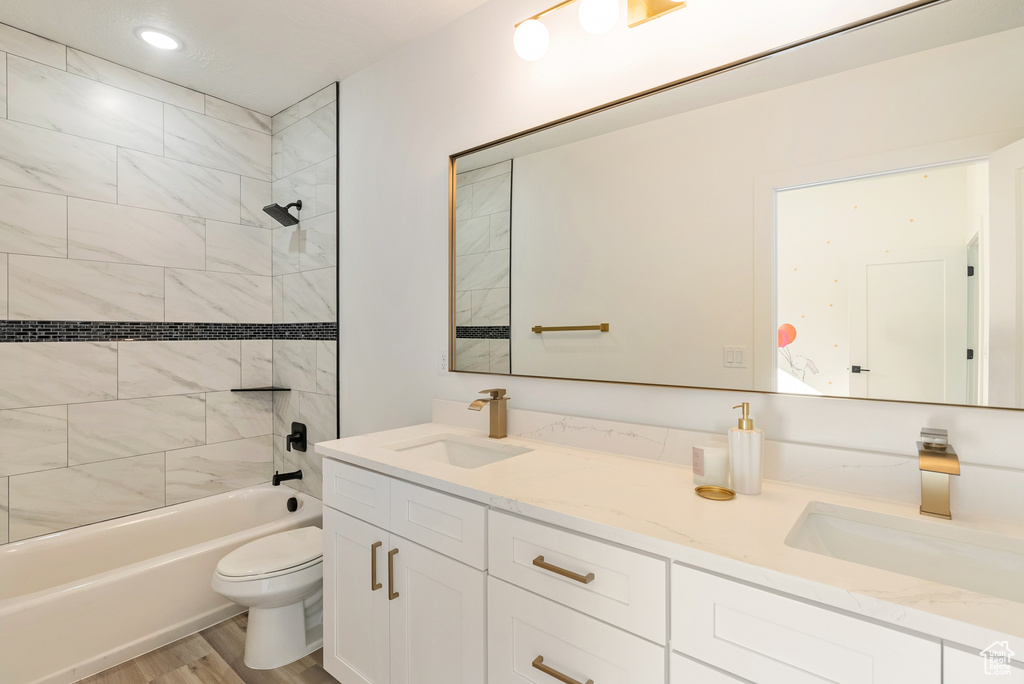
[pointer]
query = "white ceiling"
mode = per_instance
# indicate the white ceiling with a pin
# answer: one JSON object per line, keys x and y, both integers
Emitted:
{"x": 262, "y": 54}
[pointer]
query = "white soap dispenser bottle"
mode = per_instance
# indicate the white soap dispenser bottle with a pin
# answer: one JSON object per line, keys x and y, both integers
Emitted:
{"x": 746, "y": 444}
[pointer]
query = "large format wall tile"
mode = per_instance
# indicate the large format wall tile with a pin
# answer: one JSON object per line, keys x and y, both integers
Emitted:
{"x": 84, "y": 64}
{"x": 112, "y": 232}
{"x": 490, "y": 307}
{"x": 238, "y": 415}
{"x": 43, "y": 288}
{"x": 232, "y": 113}
{"x": 295, "y": 364}
{"x": 3, "y": 510}
{"x": 38, "y": 159}
{"x": 215, "y": 468}
{"x": 3, "y": 85}
{"x": 257, "y": 363}
{"x": 317, "y": 100}
{"x": 482, "y": 271}
{"x": 149, "y": 369}
{"x": 59, "y": 499}
{"x": 327, "y": 186}
{"x": 33, "y": 439}
{"x": 307, "y": 142}
{"x": 256, "y": 194}
{"x": 234, "y": 248}
{"x": 288, "y": 243}
{"x": 320, "y": 248}
{"x": 33, "y": 222}
{"x": 310, "y": 296}
{"x": 52, "y": 98}
{"x": 301, "y": 185}
{"x": 216, "y": 144}
{"x": 51, "y": 373}
{"x": 32, "y": 47}
{"x": 309, "y": 462}
{"x": 319, "y": 412}
{"x": 115, "y": 429}
{"x": 327, "y": 367}
{"x": 208, "y": 297}
{"x": 3, "y": 287}
{"x": 153, "y": 182}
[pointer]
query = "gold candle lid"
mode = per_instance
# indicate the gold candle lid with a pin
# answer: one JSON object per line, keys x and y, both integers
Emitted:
{"x": 715, "y": 493}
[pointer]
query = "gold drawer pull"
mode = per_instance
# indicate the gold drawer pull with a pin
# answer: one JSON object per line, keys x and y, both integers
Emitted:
{"x": 582, "y": 579}
{"x": 538, "y": 663}
{"x": 374, "y": 584}
{"x": 392, "y": 594}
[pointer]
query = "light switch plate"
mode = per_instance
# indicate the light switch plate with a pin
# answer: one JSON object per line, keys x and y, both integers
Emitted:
{"x": 734, "y": 357}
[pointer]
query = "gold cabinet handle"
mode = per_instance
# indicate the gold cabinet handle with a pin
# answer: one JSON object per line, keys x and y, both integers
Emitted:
{"x": 374, "y": 584}
{"x": 582, "y": 579}
{"x": 538, "y": 663}
{"x": 603, "y": 327}
{"x": 392, "y": 594}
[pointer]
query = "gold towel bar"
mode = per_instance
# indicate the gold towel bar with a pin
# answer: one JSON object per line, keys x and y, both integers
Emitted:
{"x": 603, "y": 327}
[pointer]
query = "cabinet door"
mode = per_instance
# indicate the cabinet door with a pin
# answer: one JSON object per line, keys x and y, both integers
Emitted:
{"x": 685, "y": 671}
{"x": 970, "y": 667}
{"x": 355, "y": 612}
{"x": 437, "y": 618}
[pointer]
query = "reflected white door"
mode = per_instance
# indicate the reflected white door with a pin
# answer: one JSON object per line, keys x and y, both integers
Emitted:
{"x": 908, "y": 326}
{"x": 1003, "y": 363}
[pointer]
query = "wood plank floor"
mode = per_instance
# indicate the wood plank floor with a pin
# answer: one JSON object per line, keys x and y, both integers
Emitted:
{"x": 213, "y": 656}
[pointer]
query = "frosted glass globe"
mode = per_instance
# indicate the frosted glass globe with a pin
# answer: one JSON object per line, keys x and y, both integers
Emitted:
{"x": 531, "y": 40}
{"x": 599, "y": 16}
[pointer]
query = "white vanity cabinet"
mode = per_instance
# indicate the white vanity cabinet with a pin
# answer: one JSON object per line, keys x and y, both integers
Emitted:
{"x": 396, "y": 611}
{"x": 771, "y": 639}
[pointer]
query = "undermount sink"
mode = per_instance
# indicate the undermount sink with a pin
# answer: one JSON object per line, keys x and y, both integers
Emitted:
{"x": 977, "y": 561}
{"x": 456, "y": 450}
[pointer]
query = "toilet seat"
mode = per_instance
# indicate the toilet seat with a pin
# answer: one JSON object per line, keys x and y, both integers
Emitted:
{"x": 274, "y": 555}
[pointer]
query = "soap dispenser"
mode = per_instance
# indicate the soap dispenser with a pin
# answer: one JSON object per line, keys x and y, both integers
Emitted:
{"x": 746, "y": 444}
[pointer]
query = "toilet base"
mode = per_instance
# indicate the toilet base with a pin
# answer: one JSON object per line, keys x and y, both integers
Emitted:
{"x": 278, "y": 636}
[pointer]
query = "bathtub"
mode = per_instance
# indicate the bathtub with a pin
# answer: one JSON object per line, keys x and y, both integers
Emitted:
{"x": 77, "y": 602}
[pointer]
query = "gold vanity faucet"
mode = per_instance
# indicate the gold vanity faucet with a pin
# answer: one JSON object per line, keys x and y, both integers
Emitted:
{"x": 499, "y": 411}
{"x": 937, "y": 461}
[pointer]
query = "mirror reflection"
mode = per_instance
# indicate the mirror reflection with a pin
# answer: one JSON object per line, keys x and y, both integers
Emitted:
{"x": 839, "y": 219}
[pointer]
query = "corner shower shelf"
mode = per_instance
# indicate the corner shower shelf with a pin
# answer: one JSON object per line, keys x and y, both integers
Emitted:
{"x": 263, "y": 389}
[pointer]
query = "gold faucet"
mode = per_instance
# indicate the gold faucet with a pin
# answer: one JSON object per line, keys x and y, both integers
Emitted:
{"x": 937, "y": 461}
{"x": 499, "y": 412}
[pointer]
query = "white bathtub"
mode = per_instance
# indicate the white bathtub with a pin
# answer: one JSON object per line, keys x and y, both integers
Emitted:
{"x": 77, "y": 602}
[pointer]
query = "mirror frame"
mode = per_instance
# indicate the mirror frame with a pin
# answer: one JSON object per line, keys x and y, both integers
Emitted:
{"x": 903, "y": 10}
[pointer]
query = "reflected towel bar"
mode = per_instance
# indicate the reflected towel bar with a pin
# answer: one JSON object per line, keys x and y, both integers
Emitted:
{"x": 603, "y": 327}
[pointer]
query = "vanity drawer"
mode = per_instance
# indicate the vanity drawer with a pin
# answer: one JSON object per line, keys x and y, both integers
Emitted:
{"x": 447, "y": 524}
{"x": 768, "y": 638}
{"x": 361, "y": 493}
{"x": 522, "y": 627}
{"x": 628, "y": 588}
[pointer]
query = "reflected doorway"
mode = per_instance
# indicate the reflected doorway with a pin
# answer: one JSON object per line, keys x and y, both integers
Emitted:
{"x": 873, "y": 293}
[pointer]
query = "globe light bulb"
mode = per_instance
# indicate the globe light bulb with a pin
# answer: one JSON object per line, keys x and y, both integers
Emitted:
{"x": 599, "y": 16}
{"x": 531, "y": 40}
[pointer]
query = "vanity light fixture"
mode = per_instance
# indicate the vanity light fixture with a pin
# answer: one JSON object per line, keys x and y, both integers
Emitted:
{"x": 596, "y": 16}
{"x": 158, "y": 39}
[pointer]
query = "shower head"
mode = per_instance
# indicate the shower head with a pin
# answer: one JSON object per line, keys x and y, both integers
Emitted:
{"x": 281, "y": 214}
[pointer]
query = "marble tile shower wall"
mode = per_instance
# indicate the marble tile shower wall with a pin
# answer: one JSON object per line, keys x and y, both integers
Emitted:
{"x": 130, "y": 199}
{"x": 305, "y": 274}
{"x": 482, "y": 264}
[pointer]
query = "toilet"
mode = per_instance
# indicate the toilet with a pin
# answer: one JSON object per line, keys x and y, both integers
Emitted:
{"x": 280, "y": 579}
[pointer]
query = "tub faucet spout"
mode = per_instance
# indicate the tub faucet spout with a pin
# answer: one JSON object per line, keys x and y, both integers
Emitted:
{"x": 281, "y": 477}
{"x": 499, "y": 411}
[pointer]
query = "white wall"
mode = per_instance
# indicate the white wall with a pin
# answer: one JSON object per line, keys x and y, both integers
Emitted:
{"x": 463, "y": 86}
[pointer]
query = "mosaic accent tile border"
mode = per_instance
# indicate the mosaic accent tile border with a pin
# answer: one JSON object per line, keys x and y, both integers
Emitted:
{"x": 135, "y": 331}
{"x": 483, "y": 332}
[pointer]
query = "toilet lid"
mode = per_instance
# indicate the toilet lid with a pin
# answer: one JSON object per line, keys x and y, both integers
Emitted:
{"x": 273, "y": 553}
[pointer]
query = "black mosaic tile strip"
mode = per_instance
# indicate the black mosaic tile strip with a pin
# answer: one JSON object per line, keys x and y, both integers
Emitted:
{"x": 482, "y": 332}
{"x": 122, "y": 331}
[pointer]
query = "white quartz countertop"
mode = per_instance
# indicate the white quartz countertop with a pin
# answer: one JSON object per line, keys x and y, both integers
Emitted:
{"x": 651, "y": 506}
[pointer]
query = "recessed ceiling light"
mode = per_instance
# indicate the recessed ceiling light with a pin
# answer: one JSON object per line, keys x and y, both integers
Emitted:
{"x": 159, "y": 39}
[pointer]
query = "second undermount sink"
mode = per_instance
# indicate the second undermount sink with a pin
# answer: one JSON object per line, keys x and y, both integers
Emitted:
{"x": 987, "y": 563}
{"x": 456, "y": 450}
